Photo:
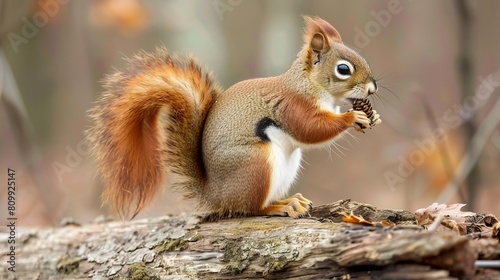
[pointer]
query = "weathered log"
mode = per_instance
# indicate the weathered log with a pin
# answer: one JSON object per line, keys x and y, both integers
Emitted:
{"x": 320, "y": 247}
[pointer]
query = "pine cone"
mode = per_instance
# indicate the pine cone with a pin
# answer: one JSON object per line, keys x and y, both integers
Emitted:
{"x": 365, "y": 106}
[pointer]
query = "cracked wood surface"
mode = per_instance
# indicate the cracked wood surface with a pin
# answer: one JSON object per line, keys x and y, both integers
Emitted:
{"x": 184, "y": 247}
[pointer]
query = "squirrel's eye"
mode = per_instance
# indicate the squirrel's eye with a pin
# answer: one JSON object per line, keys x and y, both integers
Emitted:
{"x": 343, "y": 70}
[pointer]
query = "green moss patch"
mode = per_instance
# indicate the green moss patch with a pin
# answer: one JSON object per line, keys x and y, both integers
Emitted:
{"x": 139, "y": 271}
{"x": 66, "y": 264}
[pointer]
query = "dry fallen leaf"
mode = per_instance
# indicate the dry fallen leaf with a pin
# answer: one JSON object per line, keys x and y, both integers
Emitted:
{"x": 454, "y": 219}
{"x": 427, "y": 215}
{"x": 353, "y": 219}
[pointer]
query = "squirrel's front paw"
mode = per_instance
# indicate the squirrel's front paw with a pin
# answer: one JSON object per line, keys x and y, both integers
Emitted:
{"x": 361, "y": 121}
{"x": 376, "y": 119}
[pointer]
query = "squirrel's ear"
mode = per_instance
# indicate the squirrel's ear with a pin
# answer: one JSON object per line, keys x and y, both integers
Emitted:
{"x": 318, "y": 43}
{"x": 318, "y": 34}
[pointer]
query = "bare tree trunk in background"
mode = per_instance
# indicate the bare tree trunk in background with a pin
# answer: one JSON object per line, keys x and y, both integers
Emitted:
{"x": 467, "y": 89}
{"x": 23, "y": 131}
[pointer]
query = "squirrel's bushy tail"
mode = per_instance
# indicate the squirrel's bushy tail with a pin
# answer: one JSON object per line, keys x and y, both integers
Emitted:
{"x": 149, "y": 121}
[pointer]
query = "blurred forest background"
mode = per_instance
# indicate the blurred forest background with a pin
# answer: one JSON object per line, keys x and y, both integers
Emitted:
{"x": 439, "y": 62}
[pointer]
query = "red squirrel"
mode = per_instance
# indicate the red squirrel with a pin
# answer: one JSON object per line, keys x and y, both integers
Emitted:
{"x": 236, "y": 151}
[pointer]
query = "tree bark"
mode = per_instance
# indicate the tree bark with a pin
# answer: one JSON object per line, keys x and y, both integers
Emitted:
{"x": 180, "y": 247}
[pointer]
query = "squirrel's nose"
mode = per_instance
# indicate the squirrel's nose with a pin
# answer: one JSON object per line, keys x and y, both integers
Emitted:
{"x": 372, "y": 87}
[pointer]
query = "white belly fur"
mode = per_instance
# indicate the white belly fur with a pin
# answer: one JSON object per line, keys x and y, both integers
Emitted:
{"x": 286, "y": 154}
{"x": 284, "y": 160}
